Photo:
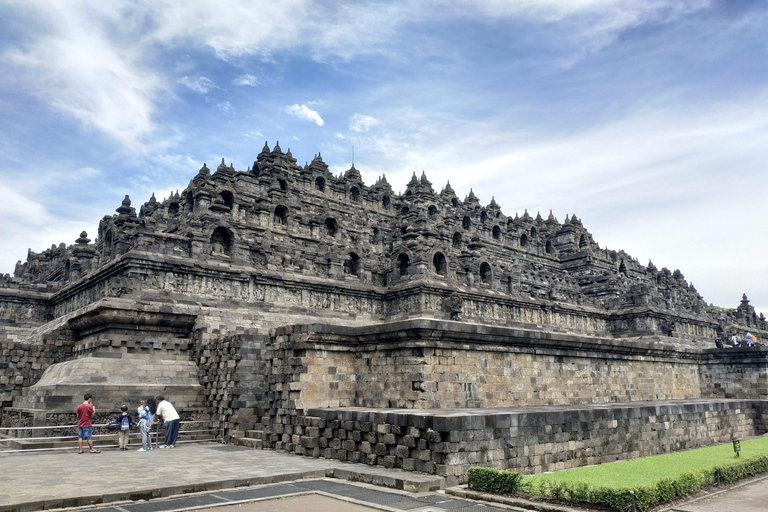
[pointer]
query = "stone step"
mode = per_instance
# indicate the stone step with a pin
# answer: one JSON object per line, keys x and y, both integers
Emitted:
{"x": 254, "y": 434}
{"x": 250, "y": 443}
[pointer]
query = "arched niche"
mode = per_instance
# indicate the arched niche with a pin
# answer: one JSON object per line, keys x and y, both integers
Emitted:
{"x": 320, "y": 184}
{"x": 496, "y": 232}
{"x": 354, "y": 194}
{"x": 548, "y": 248}
{"x": 222, "y": 240}
{"x": 386, "y": 202}
{"x": 173, "y": 208}
{"x": 523, "y": 240}
{"x": 281, "y": 215}
{"x": 352, "y": 264}
{"x": 228, "y": 198}
{"x": 402, "y": 264}
{"x": 440, "y": 264}
{"x": 432, "y": 211}
{"x": 466, "y": 222}
{"x": 107, "y": 247}
{"x": 457, "y": 240}
{"x": 331, "y": 226}
{"x": 486, "y": 274}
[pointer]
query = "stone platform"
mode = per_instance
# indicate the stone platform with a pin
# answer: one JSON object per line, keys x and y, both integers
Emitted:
{"x": 530, "y": 440}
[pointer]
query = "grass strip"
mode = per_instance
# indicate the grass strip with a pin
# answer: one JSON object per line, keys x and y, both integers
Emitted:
{"x": 634, "y": 485}
{"x": 649, "y": 470}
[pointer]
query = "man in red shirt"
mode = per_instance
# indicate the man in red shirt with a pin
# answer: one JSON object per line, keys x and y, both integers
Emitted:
{"x": 84, "y": 425}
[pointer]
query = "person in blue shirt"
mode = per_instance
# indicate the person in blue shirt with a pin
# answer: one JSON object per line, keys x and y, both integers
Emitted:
{"x": 144, "y": 426}
{"x": 123, "y": 422}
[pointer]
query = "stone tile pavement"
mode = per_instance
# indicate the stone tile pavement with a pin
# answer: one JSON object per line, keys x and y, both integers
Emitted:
{"x": 45, "y": 480}
{"x": 212, "y": 475}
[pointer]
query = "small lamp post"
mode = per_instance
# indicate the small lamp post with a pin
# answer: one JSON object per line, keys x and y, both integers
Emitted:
{"x": 736, "y": 446}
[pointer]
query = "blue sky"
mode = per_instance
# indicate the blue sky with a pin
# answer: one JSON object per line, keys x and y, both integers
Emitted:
{"x": 648, "y": 119}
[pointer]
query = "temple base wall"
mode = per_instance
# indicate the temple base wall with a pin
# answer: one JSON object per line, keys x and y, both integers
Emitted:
{"x": 425, "y": 363}
{"x": 528, "y": 440}
{"x": 439, "y": 397}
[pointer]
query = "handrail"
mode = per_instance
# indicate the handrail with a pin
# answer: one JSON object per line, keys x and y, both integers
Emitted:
{"x": 217, "y": 435}
{"x": 94, "y": 425}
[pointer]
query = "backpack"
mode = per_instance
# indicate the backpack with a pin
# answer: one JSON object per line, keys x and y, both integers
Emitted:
{"x": 125, "y": 423}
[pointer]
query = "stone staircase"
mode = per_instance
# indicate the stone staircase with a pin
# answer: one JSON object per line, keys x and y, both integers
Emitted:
{"x": 250, "y": 438}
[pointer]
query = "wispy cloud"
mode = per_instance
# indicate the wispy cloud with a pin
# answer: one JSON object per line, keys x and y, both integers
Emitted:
{"x": 225, "y": 107}
{"x": 246, "y": 79}
{"x": 305, "y": 113}
{"x": 201, "y": 84}
{"x": 362, "y": 123}
{"x": 105, "y": 77}
{"x": 88, "y": 74}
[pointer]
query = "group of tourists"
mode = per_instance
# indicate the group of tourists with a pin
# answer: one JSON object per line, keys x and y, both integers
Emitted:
{"x": 146, "y": 412}
{"x": 749, "y": 338}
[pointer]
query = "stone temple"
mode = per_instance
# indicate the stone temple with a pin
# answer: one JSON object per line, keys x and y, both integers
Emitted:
{"x": 316, "y": 314}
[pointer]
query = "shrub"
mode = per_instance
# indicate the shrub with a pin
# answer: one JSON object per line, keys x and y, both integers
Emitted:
{"x": 665, "y": 490}
{"x": 492, "y": 480}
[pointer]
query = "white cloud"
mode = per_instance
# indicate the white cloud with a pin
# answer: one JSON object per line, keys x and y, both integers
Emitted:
{"x": 243, "y": 29}
{"x": 246, "y": 79}
{"x": 27, "y": 223}
{"x": 591, "y": 24}
{"x": 88, "y": 172}
{"x": 87, "y": 73}
{"x": 339, "y": 136}
{"x": 253, "y": 135}
{"x": 305, "y": 113}
{"x": 201, "y": 84}
{"x": 362, "y": 123}
{"x": 349, "y": 29}
{"x": 95, "y": 61}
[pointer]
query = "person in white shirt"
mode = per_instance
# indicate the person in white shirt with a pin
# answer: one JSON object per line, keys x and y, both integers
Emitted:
{"x": 171, "y": 420}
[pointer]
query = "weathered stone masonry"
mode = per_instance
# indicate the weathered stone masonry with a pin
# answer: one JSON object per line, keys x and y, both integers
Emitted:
{"x": 417, "y": 301}
{"x": 407, "y": 395}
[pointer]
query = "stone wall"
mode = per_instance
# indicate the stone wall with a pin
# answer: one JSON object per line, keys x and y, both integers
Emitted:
{"x": 424, "y": 363}
{"x": 530, "y": 440}
{"x": 22, "y": 365}
{"x": 466, "y": 377}
{"x": 231, "y": 371}
{"x": 24, "y": 308}
{"x": 734, "y": 373}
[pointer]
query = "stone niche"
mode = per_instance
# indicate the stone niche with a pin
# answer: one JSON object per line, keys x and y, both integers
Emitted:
{"x": 121, "y": 355}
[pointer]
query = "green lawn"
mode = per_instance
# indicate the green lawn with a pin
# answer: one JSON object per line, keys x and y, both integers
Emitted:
{"x": 649, "y": 470}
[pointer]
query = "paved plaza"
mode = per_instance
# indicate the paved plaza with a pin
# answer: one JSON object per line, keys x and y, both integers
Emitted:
{"x": 226, "y": 478}
{"x": 65, "y": 478}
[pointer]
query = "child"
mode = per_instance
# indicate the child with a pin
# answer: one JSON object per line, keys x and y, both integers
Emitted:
{"x": 124, "y": 421}
{"x": 144, "y": 427}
